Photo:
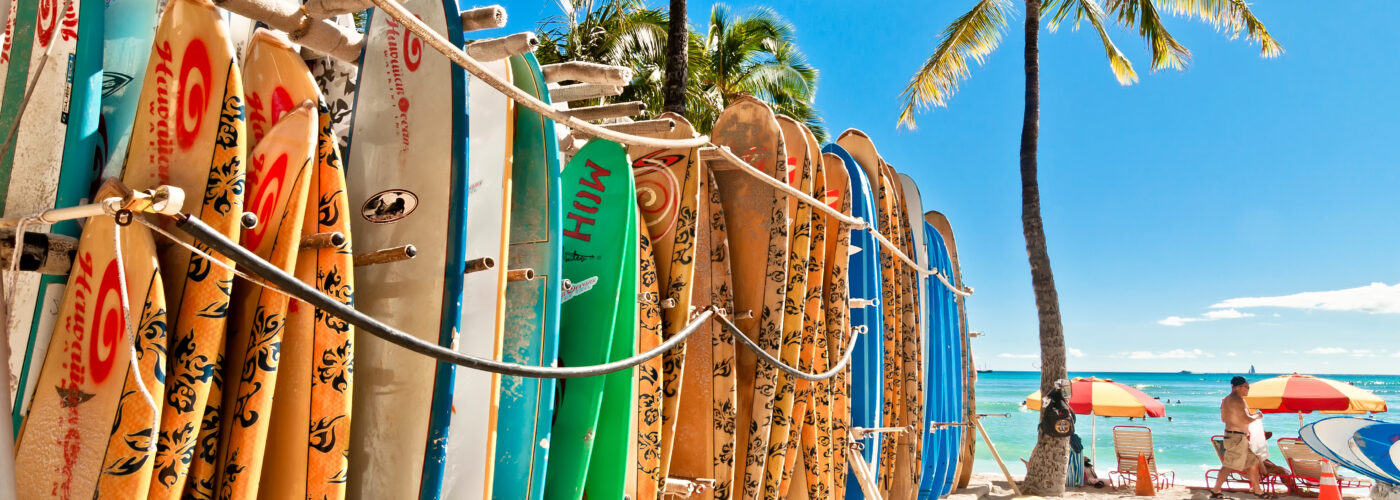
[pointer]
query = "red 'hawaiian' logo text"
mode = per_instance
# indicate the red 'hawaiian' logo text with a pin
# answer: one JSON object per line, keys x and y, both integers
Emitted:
{"x": 412, "y": 50}
{"x": 194, "y": 93}
{"x": 267, "y": 184}
{"x": 102, "y": 346}
{"x": 258, "y": 120}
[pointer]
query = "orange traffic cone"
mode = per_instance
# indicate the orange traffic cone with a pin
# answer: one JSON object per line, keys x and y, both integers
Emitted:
{"x": 1327, "y": 485}
{"x": 1145, "y": 488}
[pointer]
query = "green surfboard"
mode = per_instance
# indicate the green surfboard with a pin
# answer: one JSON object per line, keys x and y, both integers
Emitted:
{"x": 600, "y": 238}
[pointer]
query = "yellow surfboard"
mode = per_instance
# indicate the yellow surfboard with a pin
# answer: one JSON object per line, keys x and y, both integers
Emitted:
{"x": 837, "y": 309}
{"x": 189, "y": 133}
{"x": 811, "y": 413}
{"x": 90, "y": 423}
{"x": 278, "y": 182}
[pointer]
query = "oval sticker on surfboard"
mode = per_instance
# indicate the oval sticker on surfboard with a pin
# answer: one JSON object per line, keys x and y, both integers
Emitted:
{"x": 389, "y": 206}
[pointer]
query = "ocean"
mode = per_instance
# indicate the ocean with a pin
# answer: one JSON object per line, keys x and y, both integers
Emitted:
{"x": 1183, "y": 445}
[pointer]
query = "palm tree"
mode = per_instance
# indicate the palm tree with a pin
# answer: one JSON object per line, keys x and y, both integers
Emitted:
{"x": 754, "y": 54}
{"x": 606, "y": 31}
{"x": 972, "y": 37}
{"x": 677, "y": 36}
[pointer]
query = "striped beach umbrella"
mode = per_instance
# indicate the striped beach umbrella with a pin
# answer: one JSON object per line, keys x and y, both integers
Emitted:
{"x": 1106, "y": 398}
{"x": 1306, "y": 394}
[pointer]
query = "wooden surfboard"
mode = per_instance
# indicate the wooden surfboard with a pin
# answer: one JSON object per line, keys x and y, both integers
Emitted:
{"x": 758, "y": 240}
{"x": 310, "y": 419}
{"x": 469, "y": 455}
{"x": 189, "y": 133}
{"x": 279, "y": 179}
{"x": 923, "y": 387}
{"x": 863, "y": 150}
{"x": 126, "y": 47}
{"x": 667, "y": 197}
{"x": 709, "y": 381}
{"x": 407, "y": 172}
{"x": 799, "y": 175}
{"x": 525, "y": 417}
{"x": 90, "y": 427}
{"x": 40, "y": 172}
{"x": 644, "y": 480}
{"x": 867, "y": 363}
{"x": 964, "y": 401}
{"x": 832, "y": 451}
{"x": 601, "y": 193}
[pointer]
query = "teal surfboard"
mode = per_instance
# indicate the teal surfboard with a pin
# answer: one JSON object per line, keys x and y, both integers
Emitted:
{"x": 599, "y": 228}
{"x": 126, "y": 43}
{"x": 525, "y": 416}
{"x": 74, "y": 69}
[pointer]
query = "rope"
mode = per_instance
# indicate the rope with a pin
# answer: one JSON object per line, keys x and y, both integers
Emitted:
{"x": 131, "y": 333}
{"x": 784, "y": 367}
{"x": 293, "y": 287}
{"x": 460, "y": 57}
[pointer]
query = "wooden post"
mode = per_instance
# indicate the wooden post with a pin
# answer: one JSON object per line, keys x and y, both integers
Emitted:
{"x": 977, "y": 421}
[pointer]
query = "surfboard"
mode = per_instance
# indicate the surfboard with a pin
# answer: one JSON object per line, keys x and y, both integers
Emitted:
{"x": 40, "y": 172}
{"x": 189, "y": 133}
{"x": 525, "y": 416}
{"x": 942, "y": 449}
{"x": 279, "y": 179}
{"x": 926, "y": 395}
{"x": 130, "y": 27}
{"x": 799, "y": 175}
{"x": 811, "y": 406}
{"x": 709, "y": 382}
{"x": 643, "y": 481}
{"x": 469, "y": 424}
{"x": 909, "y": 459}
{"x": 92, "y": 431}
{"x": 601, "y": 192}
{"x": 964, "y": 402}
{"x": 310, "y": 419}
{"x": 1377, "y": 444}
{"x": 407, "y": 173}
{"x": 832, "y": 450}
{"x": 1330, "y": 438}
{"x": 756, "y": 216}
{"x": 337, "y": 81}
{"x": 863, "y": 150}
{"x": 667, "y": 196}
{"x": 867, "y": 377}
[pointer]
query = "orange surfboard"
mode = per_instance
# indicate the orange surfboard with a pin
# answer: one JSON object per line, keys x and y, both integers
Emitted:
{"x": 90, "y": 424}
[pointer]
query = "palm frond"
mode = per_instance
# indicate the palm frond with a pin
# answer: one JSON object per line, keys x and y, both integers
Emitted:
{"x": 1231, "y": 17}
{"x": 1089, "y": 10}
{"x": 1166, "y": 51}
{"x": 972, "y": 36}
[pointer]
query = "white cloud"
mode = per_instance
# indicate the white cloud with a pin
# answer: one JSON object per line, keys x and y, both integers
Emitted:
{"x": 1285, "y": 351}
{"x": 1230, "y": 354}
{"x": 1209, "y": 316}
{"x": 1172, "y": 354}
{"x": 1363, "y": 353}
{"x": 1376, "y": 298}
{"x": 1396, "y": 355}
{"x": 1328, "y": 350}
{"x": 1018, "y": 356}
{"x": 1074, "y": 353}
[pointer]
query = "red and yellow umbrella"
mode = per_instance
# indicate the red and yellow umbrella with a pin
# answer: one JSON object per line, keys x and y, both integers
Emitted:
{"x": 1306, "y": 394}
{"x": 1106, "y": 398}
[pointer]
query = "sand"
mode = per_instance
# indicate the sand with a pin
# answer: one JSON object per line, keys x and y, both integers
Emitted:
{"x": 1001, "y": 491}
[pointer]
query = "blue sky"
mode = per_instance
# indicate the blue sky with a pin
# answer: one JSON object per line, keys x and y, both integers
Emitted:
{"x": 1238, "y": 178}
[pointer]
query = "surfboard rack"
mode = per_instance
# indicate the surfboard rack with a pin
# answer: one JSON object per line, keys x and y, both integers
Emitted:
{"x": 42, "y": 253}
{"x": 582, "y": 92}
{"x": 318, "y": 241}
{"x": 495, "y": 49}
{"x": 164, "y": 200}
{"x": 526, "y": 274}
{"x": 606, "y": 111}
{"x": 685, "y": 487}
{"x": 479, "y": 264}
{"x": 863, "y": 303}
{"x": 385, "y": 256}
{"x": 669, "y": 303}
{"x": 321, "y": 35}
{"x": 587, "y": 72}
{"x": 248, "y": 220}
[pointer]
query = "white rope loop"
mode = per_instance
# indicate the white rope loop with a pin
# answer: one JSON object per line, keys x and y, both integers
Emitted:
{"x": 131, "y": 333}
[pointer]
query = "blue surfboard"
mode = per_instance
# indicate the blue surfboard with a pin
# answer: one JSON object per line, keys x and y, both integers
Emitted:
{"x": 867, "y": 366}
{"x": 1380, "y": 443}
{"x": 944, "y": 379}
{"x": 1330, "y": 437}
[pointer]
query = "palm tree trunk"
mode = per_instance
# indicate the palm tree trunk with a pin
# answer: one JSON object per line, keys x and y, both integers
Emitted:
{"x": 1045, "y": 474}
{"x": 677, "y": 46}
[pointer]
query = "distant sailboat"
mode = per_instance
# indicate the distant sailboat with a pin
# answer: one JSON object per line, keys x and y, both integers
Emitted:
{"x": 1251, "y": 369}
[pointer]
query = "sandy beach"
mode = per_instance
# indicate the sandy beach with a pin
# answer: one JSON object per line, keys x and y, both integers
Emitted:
{"x": 986, "y": 486}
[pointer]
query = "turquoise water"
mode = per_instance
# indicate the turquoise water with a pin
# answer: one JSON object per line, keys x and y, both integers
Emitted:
{"x": 1183, "y": 445}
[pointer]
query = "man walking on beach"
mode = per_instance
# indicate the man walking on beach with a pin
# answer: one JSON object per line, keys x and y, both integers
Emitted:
{"x": 1238, "y": 457}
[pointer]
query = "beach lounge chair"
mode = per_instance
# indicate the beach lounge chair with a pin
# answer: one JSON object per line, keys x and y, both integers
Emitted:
{"x": 1305, "y": 466}
{"x": 1128, "y": 442}
{"x": 1238, "y": 481}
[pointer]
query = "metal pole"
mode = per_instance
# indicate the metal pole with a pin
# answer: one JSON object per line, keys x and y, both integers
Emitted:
{"x": 1095, "y": 438}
